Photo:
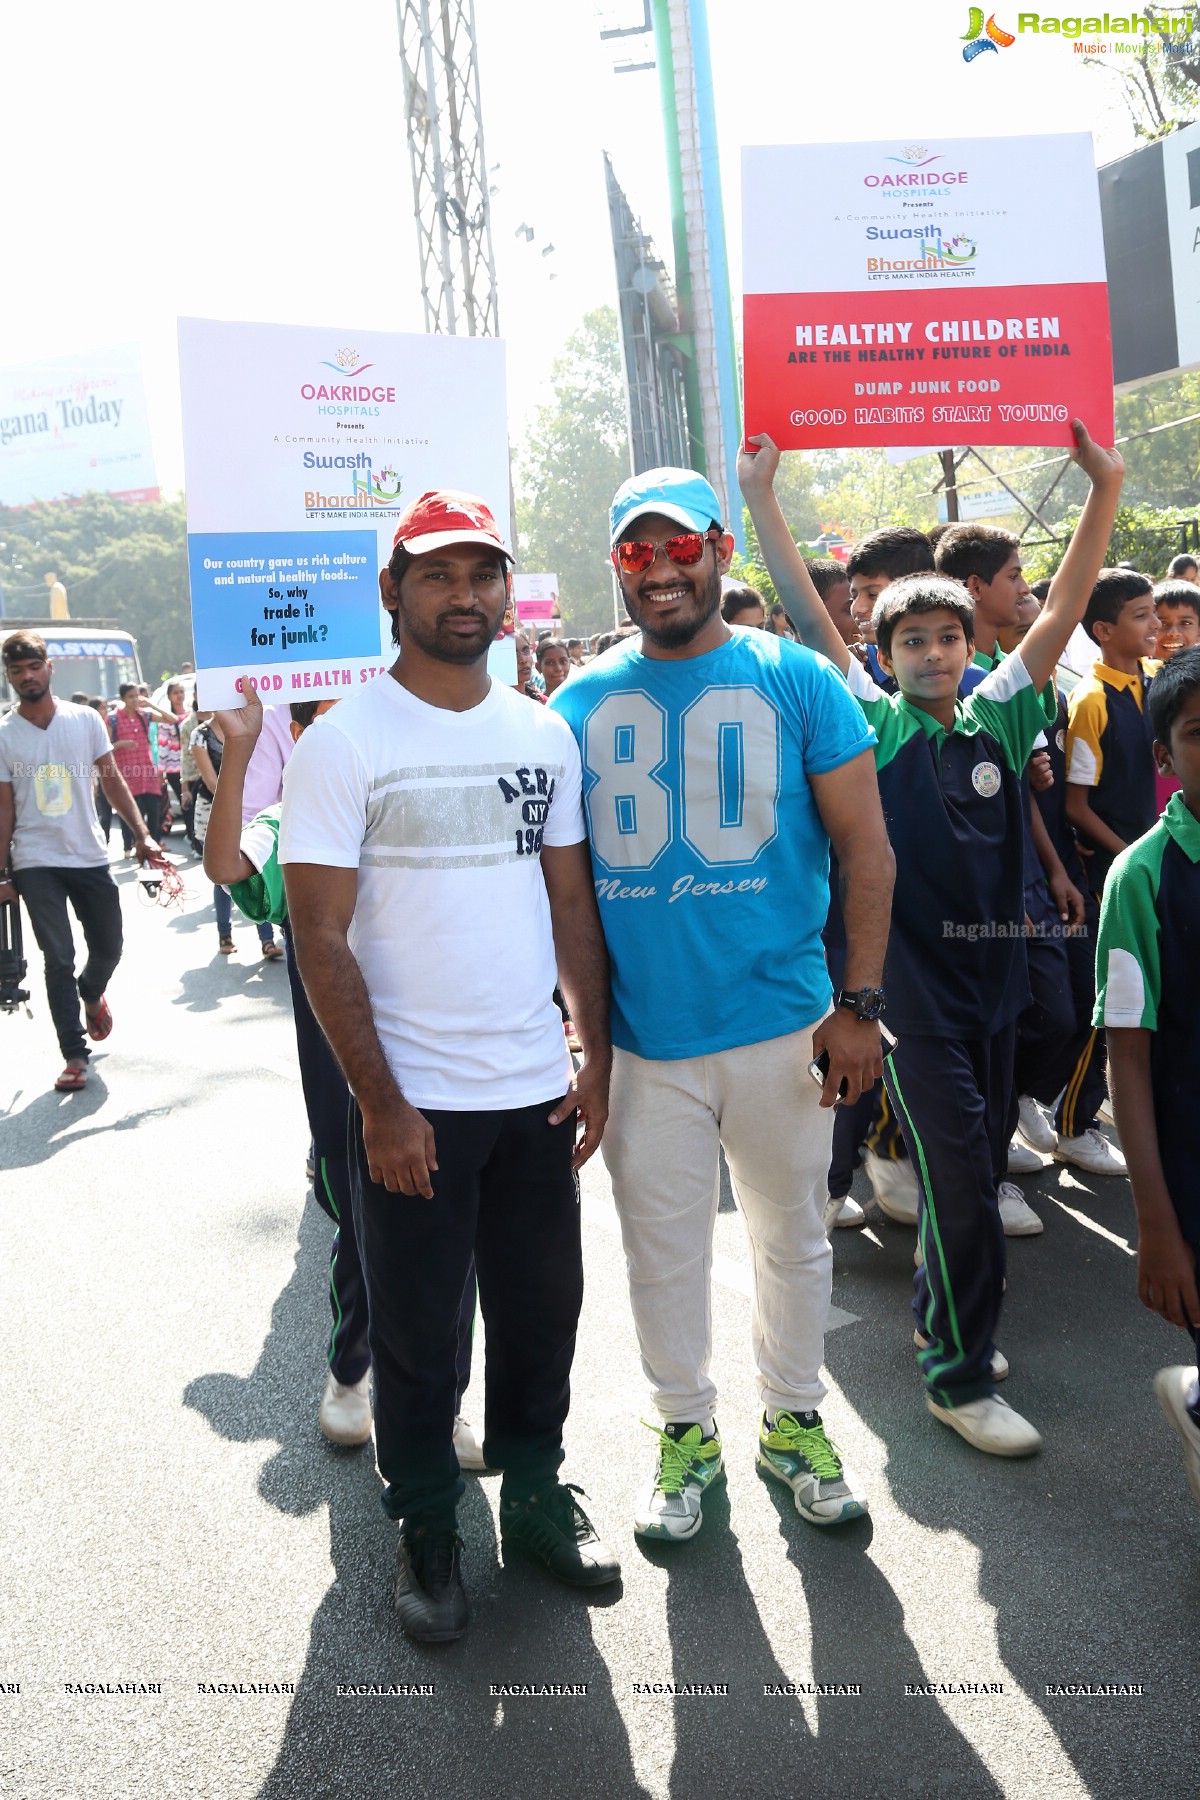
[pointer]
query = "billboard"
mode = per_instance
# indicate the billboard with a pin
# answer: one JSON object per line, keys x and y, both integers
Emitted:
{"x": 1150, "y": 206}
{"x": 925, "y": 293}
{"x": 302, "y": 446}
{"x": 76, "y": 425}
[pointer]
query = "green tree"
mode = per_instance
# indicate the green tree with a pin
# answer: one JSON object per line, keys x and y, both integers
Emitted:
{"x": 573, "y": 459}
{"x": 1160, "y": 74}
{"x": 1147, "y": 536}
{"x": 859, "y": 490}
{"x": 118, "y": 560}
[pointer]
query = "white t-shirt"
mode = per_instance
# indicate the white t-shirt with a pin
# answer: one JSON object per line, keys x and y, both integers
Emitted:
{"x": 51, "y": 773}
{"x": 444, "y": 815}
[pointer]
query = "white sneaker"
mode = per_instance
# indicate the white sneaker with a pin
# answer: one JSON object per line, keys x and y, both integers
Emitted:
{"x": 1034, "y": 1125}
{"x": 894, "y": 1186}
{"x": 1092, "y": 1152}
{"x": 1022, "y": 1160}
{"x": 1016, "y": 1215}
{"x": 671, "y": 1506}
{"x": 345, "y": 1414}
{"x": 990, "y": 1424}
{"x": 842, "y": 1214}
{"x": 467, "y": 1446}
{"x": 1172, "y": 1387}
{"x": 999, "y": 1363}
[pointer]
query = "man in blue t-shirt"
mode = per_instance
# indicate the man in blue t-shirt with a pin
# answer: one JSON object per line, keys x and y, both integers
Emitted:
{"x": 718, "y": 765}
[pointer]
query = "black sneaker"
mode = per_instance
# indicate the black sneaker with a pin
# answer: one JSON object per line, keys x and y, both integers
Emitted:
{"x": 552, "y": 1526}
{"x": 429, "y": 1589}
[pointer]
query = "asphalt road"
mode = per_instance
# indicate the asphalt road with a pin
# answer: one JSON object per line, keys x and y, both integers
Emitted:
{"x": 169, "y": 1513}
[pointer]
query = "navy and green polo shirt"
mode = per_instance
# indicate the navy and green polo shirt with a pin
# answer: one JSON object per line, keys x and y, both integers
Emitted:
{"x": 1109, "y": 738}
{"x": 952, "y": 801}
{"x": 1051, "y": 802}
{"x": 1148, "y": 977}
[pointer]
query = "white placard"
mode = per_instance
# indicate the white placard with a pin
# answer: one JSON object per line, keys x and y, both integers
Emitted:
{"x": 302, "y": 447}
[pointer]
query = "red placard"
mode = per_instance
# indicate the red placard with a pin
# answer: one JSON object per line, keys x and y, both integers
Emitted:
{"x": 1002, "y": 365}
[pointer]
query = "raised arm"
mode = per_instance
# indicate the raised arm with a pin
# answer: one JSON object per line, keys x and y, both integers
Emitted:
{"x": 1066, "y": 603}
{"x": 398, "y": 1139}
{"x": 224, "y": 859}
{"x": 785, "y": 565}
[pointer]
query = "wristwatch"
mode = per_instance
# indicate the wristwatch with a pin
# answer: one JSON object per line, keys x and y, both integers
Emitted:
{"x": 865, "y": 1003}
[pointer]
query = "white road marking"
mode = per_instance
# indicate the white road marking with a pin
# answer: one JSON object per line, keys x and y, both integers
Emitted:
{"x": 1091, "y": 1225}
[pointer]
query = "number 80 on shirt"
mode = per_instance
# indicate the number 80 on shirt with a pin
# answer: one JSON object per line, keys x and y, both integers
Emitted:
{"x": 725, "y": 777}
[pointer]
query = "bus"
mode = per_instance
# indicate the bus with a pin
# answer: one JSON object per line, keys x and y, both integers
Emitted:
{"x": 90, "y": 656}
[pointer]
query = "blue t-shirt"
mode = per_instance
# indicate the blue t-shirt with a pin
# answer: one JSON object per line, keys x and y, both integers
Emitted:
{"x": 710, "y": 858}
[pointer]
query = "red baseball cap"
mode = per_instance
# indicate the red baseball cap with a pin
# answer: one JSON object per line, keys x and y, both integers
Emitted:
{"x": 443, "y": 516}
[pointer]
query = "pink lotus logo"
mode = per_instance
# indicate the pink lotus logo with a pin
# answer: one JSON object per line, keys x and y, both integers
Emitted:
{"x": 914, "y": 156}
{"x": 979, "y": 37}
{"x": 348, "y": 363}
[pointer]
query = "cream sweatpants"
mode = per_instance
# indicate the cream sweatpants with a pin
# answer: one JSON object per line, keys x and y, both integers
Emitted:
{"x": 666, "y": 1120}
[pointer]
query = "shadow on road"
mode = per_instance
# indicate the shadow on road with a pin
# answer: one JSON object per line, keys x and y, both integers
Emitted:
{"x": 858, "y": 1637}
{"x": 524, "y": 1627}
{"x": 52, "y": 1121}
{"x": 205, "y": 988}
{"x": 1070, "y": 1541}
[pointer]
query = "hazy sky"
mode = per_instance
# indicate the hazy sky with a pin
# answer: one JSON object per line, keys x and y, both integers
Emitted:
{"x": 250, "y": 161}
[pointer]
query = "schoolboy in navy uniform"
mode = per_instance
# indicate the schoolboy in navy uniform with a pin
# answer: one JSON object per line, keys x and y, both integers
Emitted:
{"x": 1110, "y": 766}
{"x": 1058, "y": 1056}
{"x": 1148, "y": 975}
{"x": 955, "y": 972}
{"x": 1071, "y": 1076}
{"x": 881, "y": 558}
{"x": 868, "y": 1130}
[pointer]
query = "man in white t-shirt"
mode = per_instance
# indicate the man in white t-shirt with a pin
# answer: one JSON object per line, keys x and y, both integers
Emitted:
{"x": 438, "y": 884}
{"x": 51, "y": 850}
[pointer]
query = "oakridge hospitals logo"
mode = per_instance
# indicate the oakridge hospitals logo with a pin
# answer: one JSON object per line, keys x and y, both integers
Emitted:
{"x": 982, "y": 35}
{"x": 360, "y": 399}
{"x": 348, "y": 362}
{"x": 915, "y": 160}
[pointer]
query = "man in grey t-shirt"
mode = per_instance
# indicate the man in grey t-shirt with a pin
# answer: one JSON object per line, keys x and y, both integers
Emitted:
{"x": 51, "y": 850}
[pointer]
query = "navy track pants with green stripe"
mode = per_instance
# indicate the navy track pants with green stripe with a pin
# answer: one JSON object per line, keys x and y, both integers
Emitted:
{"x": 327, "y": 1102}
{"x": 952, "y": 1099}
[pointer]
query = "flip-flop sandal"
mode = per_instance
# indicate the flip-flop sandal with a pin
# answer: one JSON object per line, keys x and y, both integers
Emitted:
{"x": 100, "y": 1023}
{"x": 272, "y": 951}
{"x": 71, "y": 1080}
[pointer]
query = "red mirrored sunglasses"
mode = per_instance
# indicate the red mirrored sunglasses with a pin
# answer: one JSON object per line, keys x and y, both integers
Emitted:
{"x": 637, "y": 555}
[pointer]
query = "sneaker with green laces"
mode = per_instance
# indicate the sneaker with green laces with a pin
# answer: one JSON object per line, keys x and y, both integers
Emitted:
{"x": 688, "y": 1463}
{"x": 552, "y": 1526}
{"x": 825, "y": 1491}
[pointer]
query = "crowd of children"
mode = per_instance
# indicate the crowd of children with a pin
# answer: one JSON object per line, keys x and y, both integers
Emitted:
{"x": 1045, "y": 914}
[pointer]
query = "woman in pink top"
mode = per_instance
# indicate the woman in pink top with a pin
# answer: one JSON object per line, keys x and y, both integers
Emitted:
{"x": 129, "y": 728}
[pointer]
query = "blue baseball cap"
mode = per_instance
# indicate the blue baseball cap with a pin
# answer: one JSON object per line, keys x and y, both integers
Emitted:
{"x": 678, "y": 494}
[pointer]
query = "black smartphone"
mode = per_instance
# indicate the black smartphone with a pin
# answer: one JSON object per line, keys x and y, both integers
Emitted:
{"x": 819, "y": 1067}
